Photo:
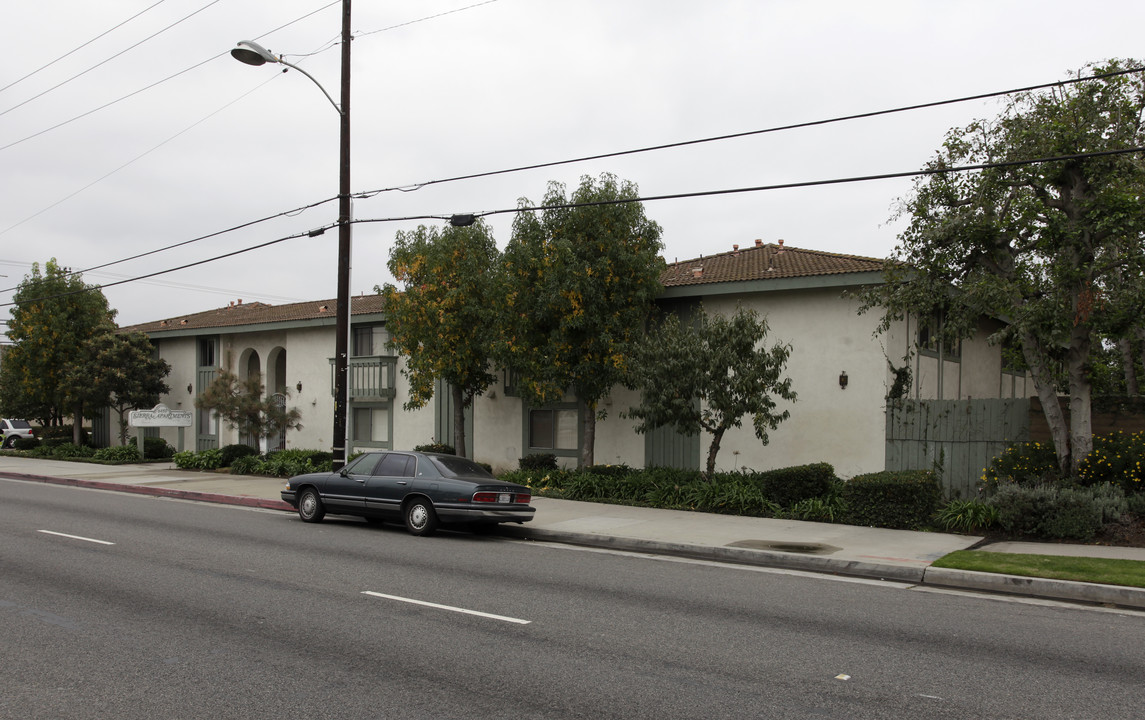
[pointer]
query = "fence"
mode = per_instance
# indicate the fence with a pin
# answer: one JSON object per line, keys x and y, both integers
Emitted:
{"x": 956, "y": 438}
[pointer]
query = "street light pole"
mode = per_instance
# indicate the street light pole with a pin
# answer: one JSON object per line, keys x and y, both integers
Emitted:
{"x": 252, "y": 53}
{"x": 342, "y": 322}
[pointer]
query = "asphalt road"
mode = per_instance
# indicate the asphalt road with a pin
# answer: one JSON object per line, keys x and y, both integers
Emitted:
{"x": 205, "y": 611}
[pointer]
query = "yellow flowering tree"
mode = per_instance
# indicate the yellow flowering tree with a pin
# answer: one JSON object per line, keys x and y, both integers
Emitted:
{"x": 444, "y": 317}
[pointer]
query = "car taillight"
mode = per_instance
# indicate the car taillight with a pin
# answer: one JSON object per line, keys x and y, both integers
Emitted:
{"x": 485, "y": 497}
{"x": 523, "y": 498}
{"x": 502, "y": 497}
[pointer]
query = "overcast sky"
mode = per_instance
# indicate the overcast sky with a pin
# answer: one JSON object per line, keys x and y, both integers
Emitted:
{"x": 194, "y": 142}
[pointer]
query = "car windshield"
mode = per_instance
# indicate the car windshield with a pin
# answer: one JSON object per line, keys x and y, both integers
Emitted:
{"x": 452, "y": 466}
{"x": 19, "y": 424}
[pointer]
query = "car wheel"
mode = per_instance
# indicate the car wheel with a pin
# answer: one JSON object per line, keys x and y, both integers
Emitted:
{"x": 9, "y": 442}
{"x": 420, "y": 517}
{"x": 310, "y": 507}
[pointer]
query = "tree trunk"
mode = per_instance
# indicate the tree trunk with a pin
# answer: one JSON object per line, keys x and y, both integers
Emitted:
{"x": 1128, "y": 363}
{"x": 1051, "y": 406}
{"x": 1080, "y": 396}
{"x": 713, "y": 450}
{"x": 459, "y": 448}
{"x": 77, "y": 423}
{"x": 588, "y": 444}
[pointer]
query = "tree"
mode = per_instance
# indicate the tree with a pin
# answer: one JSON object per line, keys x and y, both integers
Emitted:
{"x": 444, "y": 320}
{"x": 708, "y": 376}
{"x": 580, "y": 278}
{"x": 243, "y": 406}
{"x": 1040, "y": 244}
{"x": 120, "y": 371}
{"x": 54, "y": 317}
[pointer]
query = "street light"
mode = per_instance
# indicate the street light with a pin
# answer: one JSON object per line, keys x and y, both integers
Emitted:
{"x": 252, "y": 53}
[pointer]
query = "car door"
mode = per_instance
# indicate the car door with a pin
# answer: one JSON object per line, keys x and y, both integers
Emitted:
{"x": 345, "y": 491}
{"x": 392, "y": 479}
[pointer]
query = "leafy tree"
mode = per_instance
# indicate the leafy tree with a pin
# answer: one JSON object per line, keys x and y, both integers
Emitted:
{"x": 1040, "y": 244}
{"x": 54, "y": 317}
{"x": 120, "y": 371}
{"x": 243, "y": 406}
{"x": 444, "y": 320}
{"x": 580, "y": 278}
{"x": 708, "y": 376}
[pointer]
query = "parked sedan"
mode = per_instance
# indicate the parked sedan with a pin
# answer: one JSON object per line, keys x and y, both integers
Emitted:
{"x": 12, "y": 430}
{"x": 423, "y": 490}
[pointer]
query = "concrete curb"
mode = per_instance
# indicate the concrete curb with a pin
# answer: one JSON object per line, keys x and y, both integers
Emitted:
{"x": 1069, "y": 590}
{"x": 158, "y": 491}
{"x": 739, "y": 556}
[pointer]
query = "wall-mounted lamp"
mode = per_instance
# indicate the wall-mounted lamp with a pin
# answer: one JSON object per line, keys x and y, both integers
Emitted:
{"x": 189, "y": 388}
{"x": 298, "y": 387}
{"x": 843, "y": 380}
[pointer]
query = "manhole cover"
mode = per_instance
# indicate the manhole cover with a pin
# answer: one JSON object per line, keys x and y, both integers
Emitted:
{"x": 802, "y": 548}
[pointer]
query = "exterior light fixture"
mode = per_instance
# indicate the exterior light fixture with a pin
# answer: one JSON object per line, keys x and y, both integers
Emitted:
{"x": 843, "y": 380}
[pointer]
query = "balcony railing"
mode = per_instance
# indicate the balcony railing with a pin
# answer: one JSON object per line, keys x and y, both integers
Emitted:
{"x": 370, "y": 377}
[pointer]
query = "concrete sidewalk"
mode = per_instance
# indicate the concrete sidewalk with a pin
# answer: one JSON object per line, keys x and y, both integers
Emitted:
{"x": 899, "y": 555}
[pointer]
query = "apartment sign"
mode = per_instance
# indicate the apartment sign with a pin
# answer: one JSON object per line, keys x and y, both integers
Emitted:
{"x": 160, "y": 416}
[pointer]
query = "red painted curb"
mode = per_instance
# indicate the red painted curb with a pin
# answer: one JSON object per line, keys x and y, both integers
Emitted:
{"x": 241, "y": 500}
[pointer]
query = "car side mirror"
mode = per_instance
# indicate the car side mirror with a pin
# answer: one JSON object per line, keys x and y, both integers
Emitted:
{"x": 344, "y": 472}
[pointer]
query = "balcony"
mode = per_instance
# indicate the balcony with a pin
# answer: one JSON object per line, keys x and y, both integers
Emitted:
{"x": 370, "y": 377}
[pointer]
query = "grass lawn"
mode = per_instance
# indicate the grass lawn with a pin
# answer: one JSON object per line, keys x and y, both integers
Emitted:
{"x": 1056, "y": 567}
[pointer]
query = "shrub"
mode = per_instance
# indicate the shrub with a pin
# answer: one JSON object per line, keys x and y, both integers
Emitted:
{"x": 539, "y": 461}
{"x": 1116, "y": 460}
{"x": 1021, "y": 464}
{"x": 67, "y": 450}
{"x": 436, "y": 447}
{"x": 610, "y": 470}
{"x": 967, "y": 516}
{"x": 26, "y": 443}
{"x": 1135, "y": 504}
{"x": 827, "y": 509}
{"x": 119, "y": 455}
{"x": 204, "y": 460}
{"x": 157, "y": 449}
{"x": 230, "y": 453}
{"x": 542, "y": 482}
{"x": 901, "y": 500}
{"x": 788, "y": 486}
{"x": 246, "y": 465}
{"x": 1057, "y": 513}
{"x": 56, "y": 435}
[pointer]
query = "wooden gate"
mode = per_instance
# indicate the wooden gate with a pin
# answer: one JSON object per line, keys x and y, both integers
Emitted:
{"x": 955, "y": 438}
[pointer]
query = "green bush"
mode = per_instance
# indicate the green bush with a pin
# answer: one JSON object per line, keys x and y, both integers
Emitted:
{"x": 230, "y": 453}
{"x": 791, "y": 485}
{"x": 1116, "y": 460}
{"x": 1058, "y": 513}
{"x": 1135, "y": 504}
{"x": 827, "y": 509}
{"x": 901, "y": 500}
{"x": 967, "y": 516}
{"x": 610, "y": 470}
{"x": 246, "y": 465}
{"x": 56, "y": 435}
{"x": 542, "y": 482}
{"x": 155, "y": 448}
{"x": 539, "y": 461}
{"x": 1022, "y": 464}
{"x": 68, "y": 451}
{"x": 26, "y": 443}
{"x": 120, "y": 455}
{"x": 203, "y": 460}
{"x": 436, "y": 447}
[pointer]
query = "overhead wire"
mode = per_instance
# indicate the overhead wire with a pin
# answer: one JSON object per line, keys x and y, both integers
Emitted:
{"x": 80, "y": 47}
{"x": 649, "y": 198}
{"x": 107, "y": 60}
{"x": 748, "y": 133}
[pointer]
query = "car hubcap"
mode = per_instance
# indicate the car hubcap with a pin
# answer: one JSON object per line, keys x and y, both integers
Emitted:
{"x": 308, "y": 504}
{"x": 418, "y": 515}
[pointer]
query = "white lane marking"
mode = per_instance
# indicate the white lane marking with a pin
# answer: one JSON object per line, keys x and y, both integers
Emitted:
{"x": 77, "y": 537}
{"x": 518, "y": 621}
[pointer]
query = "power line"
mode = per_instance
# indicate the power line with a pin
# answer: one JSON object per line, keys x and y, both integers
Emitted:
{"x": 749, "y": 133}
{"x": 81, "y": 47}
{"x": 651, "y": 198}
{"x": 430, "y": 17}
{"x": 104, "y": 62}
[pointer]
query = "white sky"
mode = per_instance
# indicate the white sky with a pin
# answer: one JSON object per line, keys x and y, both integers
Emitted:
{"x": 503, "y": 84}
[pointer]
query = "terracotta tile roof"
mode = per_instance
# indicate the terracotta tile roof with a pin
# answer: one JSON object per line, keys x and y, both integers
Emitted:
{"x": 256, "y": 313}
{"x": 764, "y": 262}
